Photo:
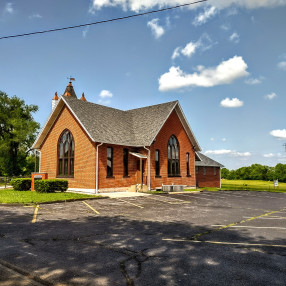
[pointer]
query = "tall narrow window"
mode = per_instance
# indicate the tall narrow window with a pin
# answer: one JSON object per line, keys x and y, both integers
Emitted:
{"x": 188, "y": 163}
{"x": 197, "y": 169}
{"x": 173, "y": 157}
{"x": 214, "y": 171}
{"x": 66, "y": 155}
{"x": 157, "y": 162}
{"x": 204, "y": 171}
{"x": 125, "y": 162}
{"x": 109, "y": 170}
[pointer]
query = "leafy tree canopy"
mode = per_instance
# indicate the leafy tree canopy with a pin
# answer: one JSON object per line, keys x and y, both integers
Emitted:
{"x": 256, "y": 172}
{"x": 17, "y": 133}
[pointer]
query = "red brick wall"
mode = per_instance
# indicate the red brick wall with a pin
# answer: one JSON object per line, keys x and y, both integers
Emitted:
{"x": 85, "y": 156}
{"x": 117, "y": 180}
{"x": 84, "y": 172}
{"x": 209, "y": 179}
{"x": 173, "y": 126}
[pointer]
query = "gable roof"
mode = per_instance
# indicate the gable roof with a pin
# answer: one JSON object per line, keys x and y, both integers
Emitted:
{"x": 137, "y": 127}
{"x": 205, "y": 161}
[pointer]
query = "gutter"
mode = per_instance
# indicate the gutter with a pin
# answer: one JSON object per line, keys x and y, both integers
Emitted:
{"x": 96, "y": 183}
{"x": 149, "y": 168}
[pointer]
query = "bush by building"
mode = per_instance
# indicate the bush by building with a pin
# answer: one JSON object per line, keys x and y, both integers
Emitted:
{"x": 51, "y": 186}
{"x": 21, "y": 184}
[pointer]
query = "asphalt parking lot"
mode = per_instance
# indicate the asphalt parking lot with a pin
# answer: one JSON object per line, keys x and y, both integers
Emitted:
{"x": 207, "y": 238}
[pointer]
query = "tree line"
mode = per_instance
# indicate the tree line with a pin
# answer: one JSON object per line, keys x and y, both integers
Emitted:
{"x": 256, "y": 172}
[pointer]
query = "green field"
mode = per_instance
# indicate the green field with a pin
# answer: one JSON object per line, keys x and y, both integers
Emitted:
{"x": 28, "y": 197}
{"x": 252, "y": 185}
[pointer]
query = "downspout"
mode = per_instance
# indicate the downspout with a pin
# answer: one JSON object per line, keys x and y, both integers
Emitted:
{"x": 149, "y": 168}
{"x": 220, "y": 177}
{"x": 96, "y": 184}
{"x": 39, "y": 160}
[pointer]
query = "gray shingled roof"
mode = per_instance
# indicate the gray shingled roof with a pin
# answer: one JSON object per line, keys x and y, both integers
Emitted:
{"x": 136, "y": 127}
{"x": 206, "y": 161}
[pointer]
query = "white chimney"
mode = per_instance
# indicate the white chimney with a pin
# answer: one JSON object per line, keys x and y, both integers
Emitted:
{"x": 55, "y": 101}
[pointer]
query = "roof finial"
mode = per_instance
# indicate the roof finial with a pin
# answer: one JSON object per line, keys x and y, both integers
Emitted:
{"x": 71, "y": 79}
{"x": 56, "y": 96}
{"x": 82, "y": 97}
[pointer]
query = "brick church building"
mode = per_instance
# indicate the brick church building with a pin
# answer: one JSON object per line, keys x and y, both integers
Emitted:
{"x": 96, "y": 147}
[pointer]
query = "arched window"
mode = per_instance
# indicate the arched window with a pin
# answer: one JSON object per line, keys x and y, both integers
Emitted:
{"x": 66, "y": 155}
{"x": 173, "y": 157}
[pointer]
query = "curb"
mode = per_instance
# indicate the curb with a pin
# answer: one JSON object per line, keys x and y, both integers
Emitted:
{"x": 55, "y": 202}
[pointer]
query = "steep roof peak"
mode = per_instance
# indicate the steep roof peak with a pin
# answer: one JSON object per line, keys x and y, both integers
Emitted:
{"x": 70, "y": 91}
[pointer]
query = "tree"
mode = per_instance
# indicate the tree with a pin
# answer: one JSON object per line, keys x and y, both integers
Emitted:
{"x": 224, "y": 173}
{"x": 17, "y": 133}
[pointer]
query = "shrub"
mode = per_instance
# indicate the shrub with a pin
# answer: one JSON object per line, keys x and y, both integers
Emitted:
{"x": 21, "y": 184}
{"x": 51, "y": 186}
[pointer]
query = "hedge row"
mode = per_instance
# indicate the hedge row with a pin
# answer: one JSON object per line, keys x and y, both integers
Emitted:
{"x": 21, "y": 184}
{"x": 51, "y": 186}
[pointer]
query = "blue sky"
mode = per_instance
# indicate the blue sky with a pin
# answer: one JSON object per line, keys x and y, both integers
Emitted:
{"x": 224, "y": 60}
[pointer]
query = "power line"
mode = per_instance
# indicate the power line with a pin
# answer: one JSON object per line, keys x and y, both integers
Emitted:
{"x": 103, "y": 21}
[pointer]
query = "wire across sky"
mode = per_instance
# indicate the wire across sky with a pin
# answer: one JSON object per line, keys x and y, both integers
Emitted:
{"x": 102, "y": 21}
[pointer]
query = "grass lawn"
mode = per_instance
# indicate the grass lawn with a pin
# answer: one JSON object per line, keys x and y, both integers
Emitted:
{"x": 249, "y": 185}
{"x": 28, "y": 197}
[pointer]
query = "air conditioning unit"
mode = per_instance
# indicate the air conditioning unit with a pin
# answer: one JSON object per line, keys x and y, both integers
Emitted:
{"x": 172, "y": 188}
{"x": 167, "y": 188}
{"x": 178, "y": 188}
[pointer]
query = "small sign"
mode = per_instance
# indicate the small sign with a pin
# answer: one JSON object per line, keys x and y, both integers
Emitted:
{"x": 38, "y": 177}
{"x": 275, "y": 183}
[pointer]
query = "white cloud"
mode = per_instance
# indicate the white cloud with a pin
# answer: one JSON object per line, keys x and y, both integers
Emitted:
{"x": 234, "y": 38}
{"x": 143, "y": 5}
{"x": 270, "y": 155}
{"x": 282, "y": 65}
{"x": 271, "y": 96}
{"x": 249, "y": 4}
{"x": 202, "y": 18}
{"x": 157, "y": 30}
{"x": 253, "y": 81}
{"x": 279, "y": 133}
{"x": 35, "y": 16}
{"x": 176, "y": 53}
{"x": 225, "y": 73}
{"x": 223, "y": 139}
{"x": 204, "y": 43}
{"x": 9, "y": 8}
{"x": 189, "y": 49}
{"x": 105, "y": 94}
{"x": 231, "y": 103}
{"x": 212, "y": 139}
{"x": 231, "y": 153}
